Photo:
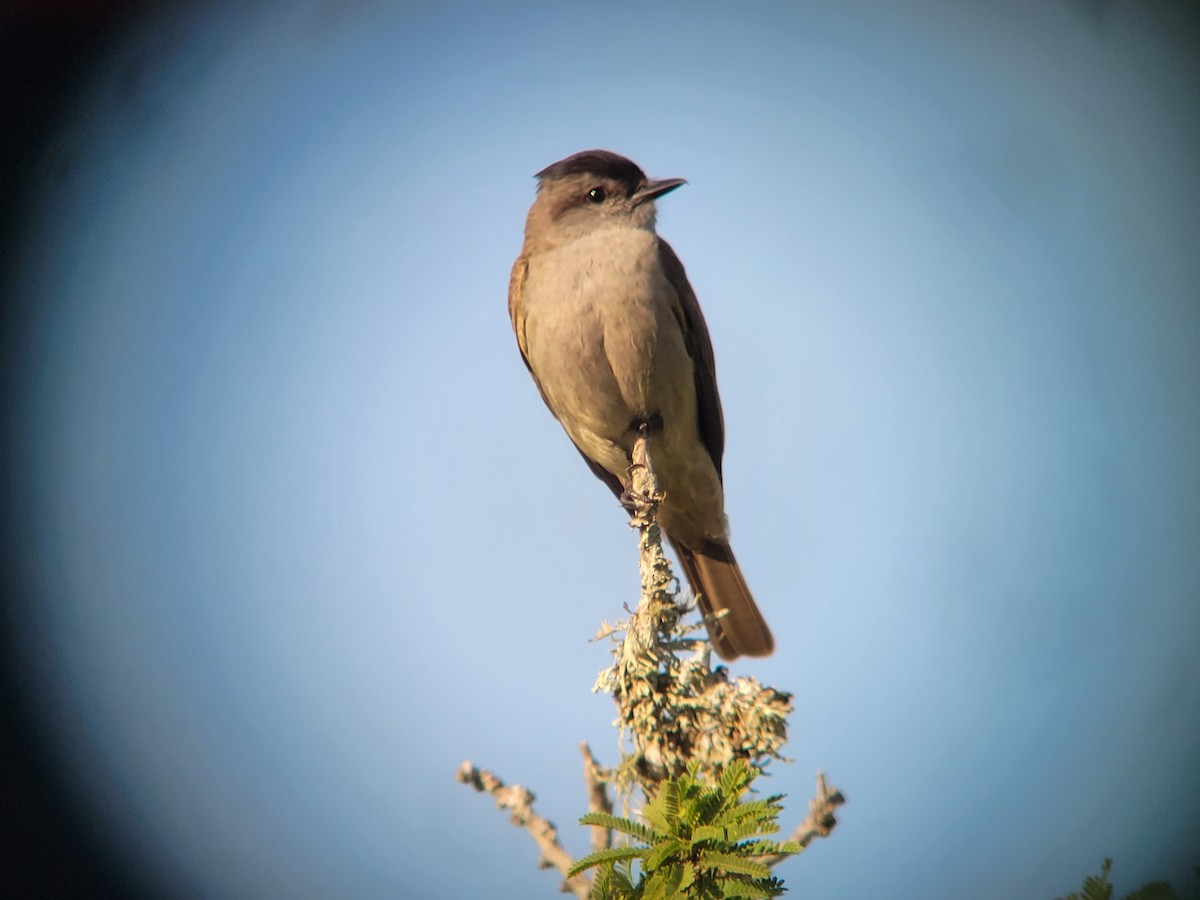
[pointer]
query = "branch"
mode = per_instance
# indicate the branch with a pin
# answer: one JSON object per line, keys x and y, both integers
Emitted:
{"x": 676, "y": 709}
{"x": 518, "y": 801}
{"x": 598, "y": 799}
{"x": 681, "y": 714}
{"x": 820, "y": 821}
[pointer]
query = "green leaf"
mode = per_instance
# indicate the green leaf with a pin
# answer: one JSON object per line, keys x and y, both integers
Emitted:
{"x": 739, "y": 831}
{"x": 689, "y": 877}
{"x": 659, "y": 853}
{"x": 664, "y": 883}
{"x": 754, "y": 810}
{"x": 610, "y": 855}
{"x": 617, "y": 823}
{"x": 754, "y": 890}
{"x": 1097, "y": 888}
{"x": 723, "y": 836}
{"x": 1154, "y": 890}
{"x": 736, "y": 777}
{"x": 709, "y": 833}
{"x": 663, "y": 811}
{"x": 703, "y": 808}
{"x": 769, "y": 848}
{"x": 731, "y": 862}
{"x": 611, "y": 883}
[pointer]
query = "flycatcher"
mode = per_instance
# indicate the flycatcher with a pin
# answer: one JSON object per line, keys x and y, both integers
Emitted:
{"x": 612, "y": 333}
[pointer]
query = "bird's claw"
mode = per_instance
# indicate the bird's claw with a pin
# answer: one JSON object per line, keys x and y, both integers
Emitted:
{"x": 634, "y": 500}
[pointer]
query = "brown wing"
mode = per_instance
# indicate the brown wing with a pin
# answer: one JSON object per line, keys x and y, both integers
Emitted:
{"x": 699, "y": 347}
{"x": 516, "y": 283}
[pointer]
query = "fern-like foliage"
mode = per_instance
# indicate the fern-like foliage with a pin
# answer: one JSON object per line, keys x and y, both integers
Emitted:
{"x": 1098, "y": 887}
{"x": 699, "y": 840}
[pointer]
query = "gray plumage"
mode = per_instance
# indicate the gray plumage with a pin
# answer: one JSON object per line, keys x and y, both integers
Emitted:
{"x": 611, "y": 331}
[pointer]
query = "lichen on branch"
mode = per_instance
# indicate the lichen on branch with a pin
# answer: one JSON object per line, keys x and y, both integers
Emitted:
{"x": 675, "y": 708}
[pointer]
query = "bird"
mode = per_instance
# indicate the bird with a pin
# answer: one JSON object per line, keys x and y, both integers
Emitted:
{"x": 611, "y": 331}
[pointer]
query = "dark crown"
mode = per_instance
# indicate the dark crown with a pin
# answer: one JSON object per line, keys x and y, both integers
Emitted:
{"x": 600, "y": 163}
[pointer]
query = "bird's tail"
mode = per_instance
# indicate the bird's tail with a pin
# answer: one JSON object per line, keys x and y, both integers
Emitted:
{"x": 735, "y": 626}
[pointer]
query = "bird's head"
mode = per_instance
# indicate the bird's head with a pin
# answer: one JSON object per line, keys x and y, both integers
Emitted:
{"x": 593, "y": 190}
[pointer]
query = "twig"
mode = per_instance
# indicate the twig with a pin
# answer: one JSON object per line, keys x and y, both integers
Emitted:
{"x": 598, "y": 799}
{"x": 820, "y": 821}
{"x": 518, "y": 801}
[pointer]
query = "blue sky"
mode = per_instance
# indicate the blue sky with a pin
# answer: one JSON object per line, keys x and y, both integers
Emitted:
{"x": 305, "y": 537}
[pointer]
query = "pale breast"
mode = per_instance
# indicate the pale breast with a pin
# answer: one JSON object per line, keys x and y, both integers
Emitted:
{"x": 600, "y": 333}
{"x": 603, "y": 339}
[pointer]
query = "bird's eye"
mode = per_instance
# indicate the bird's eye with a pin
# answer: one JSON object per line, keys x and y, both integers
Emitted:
{"x": 596, "y": 195}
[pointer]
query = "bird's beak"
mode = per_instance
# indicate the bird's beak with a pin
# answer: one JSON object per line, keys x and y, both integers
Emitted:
{"x": 656, "y": 188}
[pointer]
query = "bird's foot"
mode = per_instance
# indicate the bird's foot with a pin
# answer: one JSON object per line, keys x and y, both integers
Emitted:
{"x": 633, "y": 499}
